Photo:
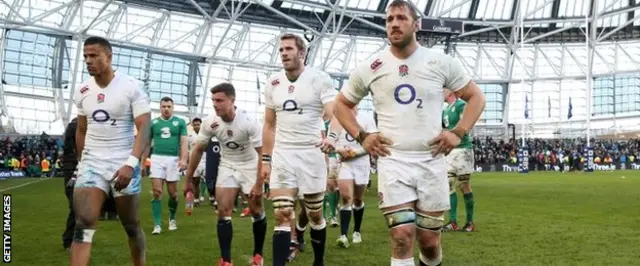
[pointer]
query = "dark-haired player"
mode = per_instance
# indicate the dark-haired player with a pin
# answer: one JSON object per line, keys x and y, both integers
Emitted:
{"x": 168, "y": 159}
{"x": 240, "y": 137}
{"x": 109, "y": 106}
{"x": 406, "y": 84}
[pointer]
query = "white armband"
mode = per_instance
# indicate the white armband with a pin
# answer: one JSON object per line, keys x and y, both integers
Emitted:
{"x": 132, "y": 161}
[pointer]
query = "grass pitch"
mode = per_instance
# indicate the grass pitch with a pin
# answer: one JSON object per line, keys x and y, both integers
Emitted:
{"x": 543, "y": 218}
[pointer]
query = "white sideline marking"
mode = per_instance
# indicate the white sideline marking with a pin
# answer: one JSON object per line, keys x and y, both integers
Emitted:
{"x": 25, "y": 184}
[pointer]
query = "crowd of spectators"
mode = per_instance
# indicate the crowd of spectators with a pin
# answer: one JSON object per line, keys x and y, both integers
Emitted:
{"x": 545, "y": 151}
{"x": 34, "y": 155}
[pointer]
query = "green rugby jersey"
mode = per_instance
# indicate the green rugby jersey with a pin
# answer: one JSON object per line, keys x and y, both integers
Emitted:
{"x": 165, "y": 135}
{"x": 451, "y": 115}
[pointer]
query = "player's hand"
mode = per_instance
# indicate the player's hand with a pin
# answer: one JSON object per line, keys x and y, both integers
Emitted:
{"x": 444, "y": 143}
{"x": 182, "y": 165}
{"x": 377, "y": 145}
{"x": 143, "y": 171}
{"x": 327, "y": 145}
{"x": 257, "y": 190}
{"x": 122, "y": 177}
{"x": 265, "y": 172}
{"x": 346, "y": 154}
{"x": 188, "y": 185}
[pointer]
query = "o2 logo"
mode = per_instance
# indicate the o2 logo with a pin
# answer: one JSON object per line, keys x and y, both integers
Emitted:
{"x": 233, "y": 145}
{"x": 413, "y": 95}
{"x": 349, "y": 138}
{"x": 291, "y": 106}
{"x": 102, "y": 116}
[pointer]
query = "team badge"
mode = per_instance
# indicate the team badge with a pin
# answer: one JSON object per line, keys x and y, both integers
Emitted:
{"x": 275, "y": 82}
{"x": 230, "y": 133}
{"x": 100, "y": 97}
{"x": 84, "y": 89}
{"x": 175, "y": 123}
{"x": 375, "y": 65}
{"x": 403, "y": 70}
{"x": 291, "y": 88}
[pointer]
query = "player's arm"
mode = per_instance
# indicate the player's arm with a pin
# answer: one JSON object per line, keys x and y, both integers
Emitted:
{"x": 255, "y": 138}
{"x": 269, "y": 126}
{"x": 346, "y": 100}
{"x": 184, "y": 142}
{"x": 142, "y": 118}
{"x": 467, "y": 90}
{"x": 327, "y": 96}
{"x": 81, "y": 131}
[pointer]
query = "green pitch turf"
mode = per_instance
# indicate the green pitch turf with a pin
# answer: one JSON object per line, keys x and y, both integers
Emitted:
{"x": 535, "y": 219}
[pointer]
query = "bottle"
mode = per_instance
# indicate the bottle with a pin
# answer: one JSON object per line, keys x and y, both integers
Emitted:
{"x": 189, "y": 207}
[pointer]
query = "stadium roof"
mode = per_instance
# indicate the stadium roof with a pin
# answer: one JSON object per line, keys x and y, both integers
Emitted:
{"x": 484, "y": 21}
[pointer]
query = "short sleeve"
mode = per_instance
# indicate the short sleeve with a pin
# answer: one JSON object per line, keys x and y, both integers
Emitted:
{"x": 78, "y": 102}
{"x": 140, "y": 102}
{"x": 457, "y": 77}
{"x": 268, "y": 93}
{"x": 206, "y": 132}
{"x": 327, "y": 90}
{"x": 183, "y": 128}
{"x": 355, "y": 90}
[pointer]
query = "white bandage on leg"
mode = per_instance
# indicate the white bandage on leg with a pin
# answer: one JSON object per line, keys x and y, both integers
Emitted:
{"x": 83, "y": 235}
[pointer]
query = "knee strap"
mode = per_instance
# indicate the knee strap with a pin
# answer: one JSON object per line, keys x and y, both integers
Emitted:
{"x": 314, "y": 203}
{"x": 464, "y": 178}
{"x": 83, "y": 235}
{"x": 284, "y": 204}
{"x": 400, "y": 217}
{"x": 427, "y": 222}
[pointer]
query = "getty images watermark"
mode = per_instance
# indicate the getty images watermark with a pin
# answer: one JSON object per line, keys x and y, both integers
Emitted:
{"x": 6, "y": 228}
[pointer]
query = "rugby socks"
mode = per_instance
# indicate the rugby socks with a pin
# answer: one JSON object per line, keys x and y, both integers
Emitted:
{"x": 156, "y": 208}
{"x": 259, "y": 233}
{"x": 333, "y": 204}
{"x": 453, "y": 212}
{"x": 345, "y": 219}
{"x": 300, "y": 233}
{"x": 280, "y": 246}
{"x": 225, "y": 235}
{"x": 173, "y": 207}
{"x": 358, "y": 213}
{"x": 318, "y": 239}
{"x": 468, "y": 205}
{"x": 403, "y": 262}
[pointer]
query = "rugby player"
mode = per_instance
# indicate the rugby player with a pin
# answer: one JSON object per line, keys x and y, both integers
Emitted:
{"x": 199, "y": 183}
{"x": 353, "y": 177}
{"x": 297, "y": 100}
{"x": 109, "y": 106}
{"x": 460, "y": 161}
{"x": 406, "y": 84}
{"x": 240, "y": 137}
{"x": 168, "y": 159}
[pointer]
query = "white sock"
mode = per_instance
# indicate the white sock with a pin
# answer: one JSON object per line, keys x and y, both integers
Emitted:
{"x": 403, "y": 262}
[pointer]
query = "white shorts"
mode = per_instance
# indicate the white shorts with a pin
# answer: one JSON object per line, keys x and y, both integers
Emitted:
{"x": 243, "y": 177}
{"x": 404, "y": 178}
{"x": 359, "y": 172}
{"x": 99, "y": 174}
{"x": 304, "y": 169}
{"x": 460, "y": 162}
{"x": 200, "y": 170}
{"x": 165, "y": 167}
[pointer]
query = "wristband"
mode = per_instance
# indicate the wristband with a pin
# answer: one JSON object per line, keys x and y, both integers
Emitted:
{"x": 132, "y": 161}
{"x": 458, "y": 131}
{"x": 266, "y": 158}
{"x": 333, "y": 136}
{"x": 361, "y": 136}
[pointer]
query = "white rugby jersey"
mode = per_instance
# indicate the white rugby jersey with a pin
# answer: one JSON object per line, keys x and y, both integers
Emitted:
{"x": 299, "y": 106}
{"x": 238, "y": 138}
{"x": 407, "y": 94}
{"x": 345, "y": 140}
{"x": 110, "y": 113}
{"x": 193, "y": 138}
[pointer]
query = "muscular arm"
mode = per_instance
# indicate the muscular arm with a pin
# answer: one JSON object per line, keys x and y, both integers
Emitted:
{"x": 347, "y": 119}
{"x": 474, "y": 97}
{"x": 259, "y": 180}
{"x": 194, "y": 158}
{"x": 184, "y": 150}
{"x": 81, "y": 132}
{"x": 141, "y": 144}
{"x": 334, "y": 125}
{"x": 268, "y": 131}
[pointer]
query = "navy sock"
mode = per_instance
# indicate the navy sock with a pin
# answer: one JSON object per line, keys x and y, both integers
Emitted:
{"x": 225, "y": 235}
{"x": 345, "y": 219}
{"x": 300, "y": 235}
{"x": 281, "y": 241}
{"x": 259, "y": 233}
{"x": 358, "y": 213}
{"x": 318, "y": 239}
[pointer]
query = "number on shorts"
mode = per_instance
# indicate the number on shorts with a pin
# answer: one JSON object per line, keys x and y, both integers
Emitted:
{"x": 413, "y": 96}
